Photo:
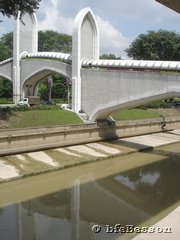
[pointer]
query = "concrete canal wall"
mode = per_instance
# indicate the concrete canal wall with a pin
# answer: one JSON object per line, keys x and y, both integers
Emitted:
{"x": 32, "y": 139}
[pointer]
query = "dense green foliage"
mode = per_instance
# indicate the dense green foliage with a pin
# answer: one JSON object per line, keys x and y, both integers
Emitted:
{"x": 10, "y": 8}
{"x": 160, "y": 45}
{"x": 167, "y": 103}
{"x": 59, "y": 88}
{"x": 5, "y": 89}
{"x": 6, "y": 46}
{"x": 52, "y": 41}
{"x": 109, "y": 56}
{"x": 47, "y": 41}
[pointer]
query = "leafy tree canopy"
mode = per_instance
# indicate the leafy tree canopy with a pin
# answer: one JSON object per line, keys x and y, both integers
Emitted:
{"x": 160, "y": 45}
{"x": 6, "y": 46}
{"x": 53, "y": 41}
{"x": 10, "y": 8}
{"x": 47, "y": 41}
{"x": 109, "y": 56}
{"x": 6, "y": 89}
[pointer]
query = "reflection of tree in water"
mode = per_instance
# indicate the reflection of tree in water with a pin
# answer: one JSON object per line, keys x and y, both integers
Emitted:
{"x": 56, "y": 199}
{"x": 157, "y": 181}
{"x": 55, "y": 205}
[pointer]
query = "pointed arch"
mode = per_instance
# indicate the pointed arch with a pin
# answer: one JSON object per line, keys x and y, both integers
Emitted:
{"x": 4, "y": 76}
{"x": 85, "y": 44}
{"x": 86, "y": 35}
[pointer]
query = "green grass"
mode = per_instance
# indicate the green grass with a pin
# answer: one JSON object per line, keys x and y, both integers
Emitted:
{"x": 133, "y": 114}
{"x": 50, "y": 116}
{"x": 36, "y": 118}
{"x": 6, "y": 101}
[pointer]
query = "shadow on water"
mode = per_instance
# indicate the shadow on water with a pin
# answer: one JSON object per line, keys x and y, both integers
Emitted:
{"x": 131, "y": 197}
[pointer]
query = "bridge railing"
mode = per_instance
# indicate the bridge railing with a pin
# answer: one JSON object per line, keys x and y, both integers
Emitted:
{"x": 51, "y": 55}
{"x": 133, "y": 64}
{"x": 6, "y": 61}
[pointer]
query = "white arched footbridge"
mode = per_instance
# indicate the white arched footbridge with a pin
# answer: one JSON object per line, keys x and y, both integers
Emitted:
{"x": 99, "y": 87}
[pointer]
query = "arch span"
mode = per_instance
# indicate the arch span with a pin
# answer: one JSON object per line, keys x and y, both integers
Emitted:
{"x": 102, "y": 112}
{"x": 105, "y": 90}
{"x": 6, "y": 70}
{"x": 31, "y": 68}
{"x": 4, "y": 76}
{"x": 39, "y": 75}
{"x": 34, "y": 70}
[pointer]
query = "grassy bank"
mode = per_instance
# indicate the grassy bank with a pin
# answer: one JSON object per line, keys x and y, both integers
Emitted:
{"x": 48, "y": 116}
{"x": 133, "y": 114}
{"x": 6, "y": 101}
{"x": 35, "y": 118}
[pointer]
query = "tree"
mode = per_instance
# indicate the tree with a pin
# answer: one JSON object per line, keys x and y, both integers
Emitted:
{"x": 6, "y": 46}
{"x": 49, "y": 41}
{"x": 52, "y": 41}
{"x": 160, "y": 45}
{"x": 59, "y": 88}
{"x": 109, "y": 56}
{"x": 6, "y": 89}
{"x": 10, "y": 8}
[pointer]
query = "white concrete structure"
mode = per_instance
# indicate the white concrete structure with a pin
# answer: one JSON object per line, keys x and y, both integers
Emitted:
{"x": 126, "y": 83}
{"x": 99, "y": 87}
{"x": 85, "y": 44}
{"x": 24, "y": 39}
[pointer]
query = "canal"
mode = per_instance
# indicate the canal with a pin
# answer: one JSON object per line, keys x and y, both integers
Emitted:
{"x": 88, "y": 202}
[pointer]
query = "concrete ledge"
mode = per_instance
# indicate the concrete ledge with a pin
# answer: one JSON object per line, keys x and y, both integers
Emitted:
{"x": 167, "y": 228}
{"x": 32, "y": 139}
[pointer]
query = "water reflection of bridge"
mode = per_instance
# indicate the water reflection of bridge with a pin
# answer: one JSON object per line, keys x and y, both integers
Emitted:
{"x": 128, "y": 198}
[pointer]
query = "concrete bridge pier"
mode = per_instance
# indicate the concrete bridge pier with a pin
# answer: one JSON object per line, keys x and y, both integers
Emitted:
{"x": 25, "y": 39}
{"x": 85, "y": 44}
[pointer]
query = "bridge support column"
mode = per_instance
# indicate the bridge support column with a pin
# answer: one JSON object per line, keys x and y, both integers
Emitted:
{"x": 16, "y": 61}
{"x": 16, "y": 85}
{"x": 76, "y": 94}
{"x": 24, "y": 40}
{"x": 85, "y": 44}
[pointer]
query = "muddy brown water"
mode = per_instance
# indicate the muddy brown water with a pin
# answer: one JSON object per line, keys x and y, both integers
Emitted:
{"x": 89, "y": 202}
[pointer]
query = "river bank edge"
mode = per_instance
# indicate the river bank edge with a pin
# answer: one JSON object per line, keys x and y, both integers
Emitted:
{"x": 131, "y": 150}
{"x": 14, "y": 141}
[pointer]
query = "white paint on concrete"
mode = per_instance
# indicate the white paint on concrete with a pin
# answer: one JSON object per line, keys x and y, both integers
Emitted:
{"x": 143, "y": 141}
{"x": 43, "y": 157}
{"x": 152, "y": 140}
{"x": 21, "y": 157}
{"x": 165, "y": 138}
{"x": 176, "y": 131}
{"x": 172, "y": 221}
{"x": 168, "y": 136}
{"x": 62, "y": 150}
{"x": 7, "y": 171}
{"x": 86, "y": 150}
{"x": 104, "y": 148}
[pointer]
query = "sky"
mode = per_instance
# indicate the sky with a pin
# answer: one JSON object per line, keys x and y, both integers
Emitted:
{"x": 119, "y": 21}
